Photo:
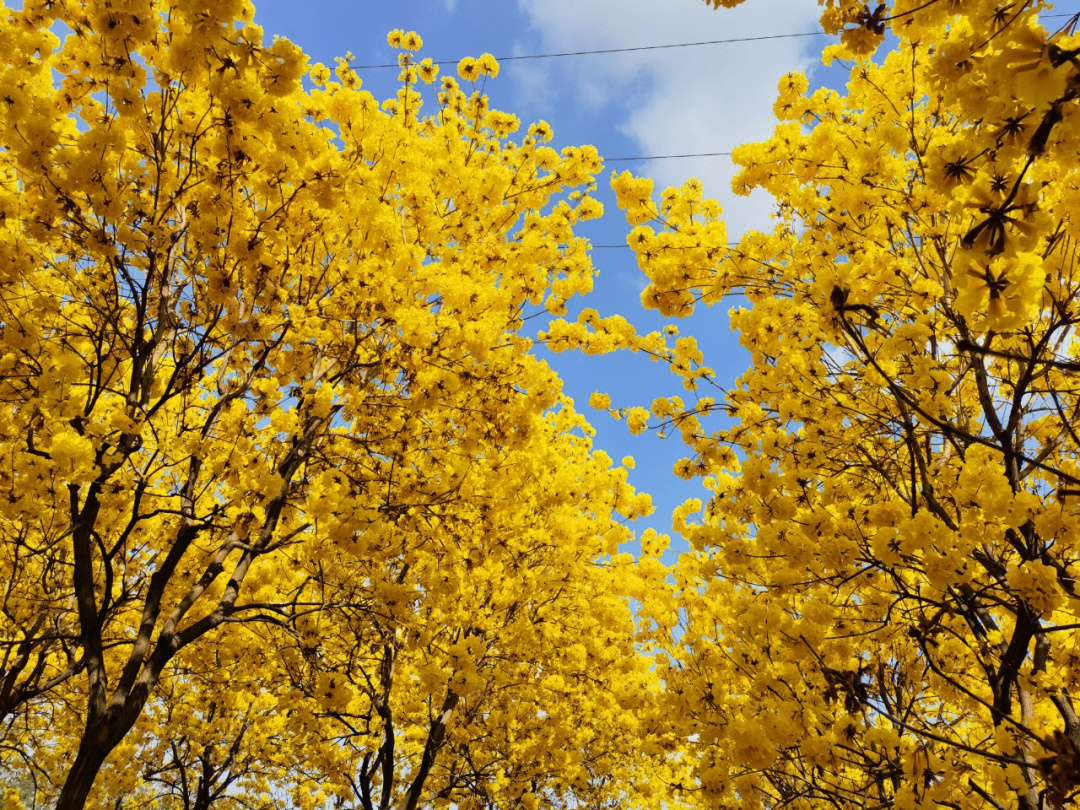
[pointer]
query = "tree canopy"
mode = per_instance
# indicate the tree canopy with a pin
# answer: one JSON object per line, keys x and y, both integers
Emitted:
{"x": 293, "y": 514}
{"x": 880, "y": 607}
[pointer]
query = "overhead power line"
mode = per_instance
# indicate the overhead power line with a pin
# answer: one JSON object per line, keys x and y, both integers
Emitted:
{"x": 621, "y": 246}
{"x": 669, "y": 247}
{"x": 636, "y": 48}
{"x": 614, "y": 50}
{"x": 666, "y": 157}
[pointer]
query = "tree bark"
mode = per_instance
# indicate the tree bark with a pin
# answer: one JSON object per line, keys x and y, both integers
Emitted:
{"x": 80, "y": 779}
{"x": 431, "y": 750}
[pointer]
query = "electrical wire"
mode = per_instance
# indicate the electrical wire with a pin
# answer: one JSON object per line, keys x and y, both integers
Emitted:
{"x": 692, "y": 247}
{"x": 637, "y": 48}
{"x": 636, "y": 158}
{"x": 614, "y": 50}
{"x": 668, "y": 247}
{"x": 666, "y": 157}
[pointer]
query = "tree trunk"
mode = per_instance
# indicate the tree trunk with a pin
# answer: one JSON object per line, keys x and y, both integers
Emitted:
{"x": 80, "y": 778}
{"x": 99, "y": 738}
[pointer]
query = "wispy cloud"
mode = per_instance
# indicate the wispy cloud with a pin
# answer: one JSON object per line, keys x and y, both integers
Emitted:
{"x": 701, "y": 99}
{"x": 534, "y": 81}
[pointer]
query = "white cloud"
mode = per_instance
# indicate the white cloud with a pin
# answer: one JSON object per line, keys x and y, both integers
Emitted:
{"x": 450, "y": 5}
{"x": 534, "y": 81}
{"x": 699, "y": 99}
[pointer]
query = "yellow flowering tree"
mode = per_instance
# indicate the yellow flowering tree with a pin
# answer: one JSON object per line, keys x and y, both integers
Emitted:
{"x": 281, "y": 480}
{"x": 484, "y": 660}
{"x": 497, "y": 627}
{"x": 880, "y": 606}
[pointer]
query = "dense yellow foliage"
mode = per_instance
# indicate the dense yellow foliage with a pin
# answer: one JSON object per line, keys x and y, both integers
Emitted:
{"x": 880, "y": 608}
{"x": 288, "y": 509}
{"x": 292, "y": 516}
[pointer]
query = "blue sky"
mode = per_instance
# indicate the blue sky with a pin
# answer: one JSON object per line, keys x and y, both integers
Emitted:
{"x": 657, "y": 102}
